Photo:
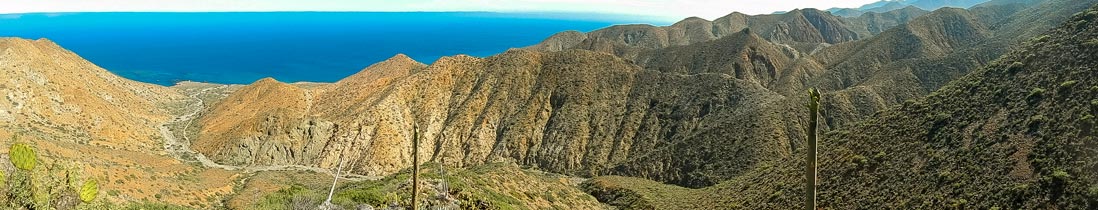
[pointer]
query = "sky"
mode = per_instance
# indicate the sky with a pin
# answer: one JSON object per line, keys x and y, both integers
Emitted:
{"x": 670, "y": 9}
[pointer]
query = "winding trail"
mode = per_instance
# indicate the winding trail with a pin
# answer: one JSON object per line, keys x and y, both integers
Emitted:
{"x": 180, "y": 149}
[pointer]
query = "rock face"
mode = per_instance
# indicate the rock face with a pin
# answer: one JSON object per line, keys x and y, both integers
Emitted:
{"x": 50, "y": 91}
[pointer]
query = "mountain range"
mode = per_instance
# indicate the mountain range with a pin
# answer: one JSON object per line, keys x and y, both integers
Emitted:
{"x": 987, "y": 106}
{"x": 889, "y": 5}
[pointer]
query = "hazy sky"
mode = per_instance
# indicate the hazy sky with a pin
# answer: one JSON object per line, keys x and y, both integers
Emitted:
{"x": 674, "y": 9}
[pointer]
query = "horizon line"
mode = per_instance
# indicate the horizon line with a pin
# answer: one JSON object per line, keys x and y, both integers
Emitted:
{"x": 614, "y": 14}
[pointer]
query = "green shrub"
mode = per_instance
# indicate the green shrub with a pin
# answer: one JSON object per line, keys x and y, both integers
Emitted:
{"x": 1068, "y": 84}
{"x": 958, "y": 203}
{"x": 153, "y": 206}
{"x": 1015, "y": 67}
{"x": 1091, "y": 43}
{"x": 1036, "y": 93}
{"x": 1041, "y": 38}
{"x": 859, "y": 161}
{"x": 1060, "y": 176}
{"x": 945, "y": 176}
{"x": 1093, "y": 192}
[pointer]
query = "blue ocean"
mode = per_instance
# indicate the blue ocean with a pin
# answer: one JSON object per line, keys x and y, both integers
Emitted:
{"x": 241, "y": 47}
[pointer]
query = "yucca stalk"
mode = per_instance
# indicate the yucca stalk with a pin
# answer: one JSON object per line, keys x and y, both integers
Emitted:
{"x": 810, "y": 153}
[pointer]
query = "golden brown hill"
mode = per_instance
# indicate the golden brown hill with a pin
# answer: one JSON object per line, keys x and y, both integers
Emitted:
{"x": 266, "y": 103}
{"x": 83, "y": 118}
{"x": 48, "y": 89}
{"x": 366, "y": 85}
{"x": 576, "y": 112}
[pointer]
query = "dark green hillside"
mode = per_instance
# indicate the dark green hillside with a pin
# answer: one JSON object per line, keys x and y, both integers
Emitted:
{"x": 1016, "y": 133}
{"x": 743, "y": 55}
{"x": 904, "y": 63}
{"x": 877, "y": 22}
{"x": 911, "y": 60}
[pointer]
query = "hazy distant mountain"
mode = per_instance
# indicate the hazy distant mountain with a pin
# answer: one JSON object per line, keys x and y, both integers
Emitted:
{"x": 889, "y": 5}
{"x": 802, "y": 29}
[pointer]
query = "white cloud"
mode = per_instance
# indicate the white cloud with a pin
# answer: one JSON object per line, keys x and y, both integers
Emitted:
{"x": 709, "y": 9}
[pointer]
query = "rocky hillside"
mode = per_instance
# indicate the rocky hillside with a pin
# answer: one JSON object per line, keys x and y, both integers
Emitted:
{"x": 661, "y": 114}
{"x": 1015, "y": 134}
{"x": 81, "y": 118}
{"x": 575, "y": 112}
{"x": 51, "y": 90}
{"x": 911, "y": 60}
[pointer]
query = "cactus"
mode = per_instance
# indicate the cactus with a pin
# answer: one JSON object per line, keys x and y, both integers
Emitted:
{"x": 415, "y": 165}
{"x": 810, "y": 153}
{"x": 41, "y": 190}
{"x": 22, "y": 156}
{"x": 89, "y": 191}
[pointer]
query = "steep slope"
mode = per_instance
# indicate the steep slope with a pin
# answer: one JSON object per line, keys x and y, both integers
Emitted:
{"x": 574, "y": 112}
{"x": 586, "y": 113}
{"x": 266, "y": 103}
{"x": 743, "y": 55}
{"x": 919, "y": 57}
{"x": 82, "y": 118}
{"x": 878, "y": 22}
{"x": 1015, "y": 134}
{"x": 52, "y": 90}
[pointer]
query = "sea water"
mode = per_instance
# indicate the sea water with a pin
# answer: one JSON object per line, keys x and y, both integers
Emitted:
{"x": 241, "y": 47}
